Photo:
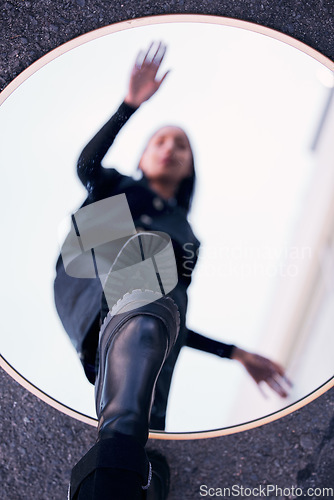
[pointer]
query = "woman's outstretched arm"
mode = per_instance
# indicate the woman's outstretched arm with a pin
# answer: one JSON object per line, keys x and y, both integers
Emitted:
{"x": 205, "y": 344}
{"x": 143, "y": 84}
{"x": 89, "y": 166}
{"x": 261, "y": 369}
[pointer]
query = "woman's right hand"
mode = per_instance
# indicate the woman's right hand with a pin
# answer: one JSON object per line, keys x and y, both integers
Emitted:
{"x": 143, "y": 83}
{"x": 263, "y": 370}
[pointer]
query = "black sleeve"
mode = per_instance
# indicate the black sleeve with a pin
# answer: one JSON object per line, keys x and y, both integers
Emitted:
{"x": 201, "y": 343}
{"x": 89, "y": 168}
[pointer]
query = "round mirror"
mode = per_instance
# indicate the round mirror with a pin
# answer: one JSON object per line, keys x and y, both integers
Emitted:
{"x": 258, "y": 108}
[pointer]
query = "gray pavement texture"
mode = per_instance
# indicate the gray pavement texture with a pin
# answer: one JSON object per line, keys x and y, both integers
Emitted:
{"x": 39, "y": 445}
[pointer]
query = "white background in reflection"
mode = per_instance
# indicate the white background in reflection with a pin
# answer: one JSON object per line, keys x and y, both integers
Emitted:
{"x": 251, "y": 106}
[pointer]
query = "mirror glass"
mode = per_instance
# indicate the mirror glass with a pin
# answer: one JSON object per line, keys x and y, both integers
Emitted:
{"x": 260, "y": 116}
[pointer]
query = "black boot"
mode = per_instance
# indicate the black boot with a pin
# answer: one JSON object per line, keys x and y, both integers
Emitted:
{"x": 135, "y": 339}
{"x": 116, "y": 468}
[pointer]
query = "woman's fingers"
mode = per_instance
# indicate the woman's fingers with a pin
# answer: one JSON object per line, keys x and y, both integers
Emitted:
{"x": 277, "y": 387}
{"x": 162, "y": 79}
{"x": 276, "y": 379}
{"x": 263, "y": 370}
{"x": 159, "y": 55}
{"x": 287, "y": 381}
{"x": 139, "y": 60}
{"x": 147, "y": 64}
{"x": 259, "y": 384}
{"x": 146, "y": 59}
{"x": 153, "y": 57}
{"x": 143, "y": 79}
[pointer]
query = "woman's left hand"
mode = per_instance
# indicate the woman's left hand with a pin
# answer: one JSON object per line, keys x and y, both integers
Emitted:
{"x": 143, "y": 80}
{"x": 263, "y": 370}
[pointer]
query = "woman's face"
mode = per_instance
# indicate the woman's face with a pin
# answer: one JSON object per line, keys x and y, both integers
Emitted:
{"x": 168, "y": 156}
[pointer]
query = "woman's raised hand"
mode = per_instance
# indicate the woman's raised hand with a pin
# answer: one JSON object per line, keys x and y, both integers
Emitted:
{"x": 143, "y": 83}
{"x": 263, "y": 370}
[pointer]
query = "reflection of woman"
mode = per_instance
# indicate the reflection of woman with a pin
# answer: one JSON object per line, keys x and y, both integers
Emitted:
{"x": 133, "y": 351}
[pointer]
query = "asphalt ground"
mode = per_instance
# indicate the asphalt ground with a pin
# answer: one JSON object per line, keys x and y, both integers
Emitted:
{"x": 40, "y": 445}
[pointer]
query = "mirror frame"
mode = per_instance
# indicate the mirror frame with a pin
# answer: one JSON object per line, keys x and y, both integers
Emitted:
{"x": 122, "y": 26}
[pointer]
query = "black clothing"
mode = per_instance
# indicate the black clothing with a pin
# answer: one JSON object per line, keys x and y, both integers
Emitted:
{"x": 201, "y": 343}
{"x": 78, "y": 300}
{"x": 116, "y": 468}
{"x": 133, "y": 347}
